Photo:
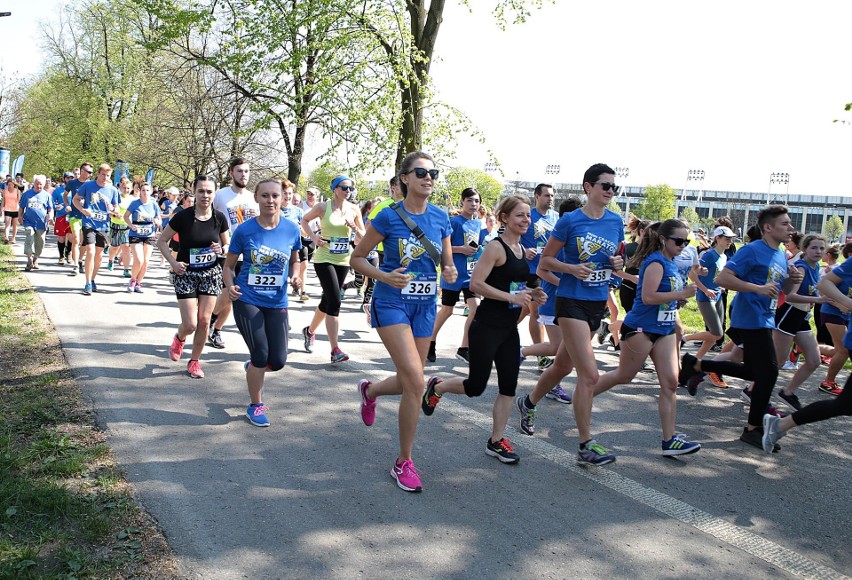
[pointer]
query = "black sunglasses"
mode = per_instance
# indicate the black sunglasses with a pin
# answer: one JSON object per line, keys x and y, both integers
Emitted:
{"x": 606, "y": 186}
{"x": 678, "y": 241}
{"x": 421, "y": 173}
{"x": 347, "y": 187}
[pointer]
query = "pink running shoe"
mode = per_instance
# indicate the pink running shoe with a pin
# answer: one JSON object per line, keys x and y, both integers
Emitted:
{"x": 176, "y": 349}
{"x": 368, "y": 405}
{"x": 406, "y": 476}
{"x": 193, "y": 367}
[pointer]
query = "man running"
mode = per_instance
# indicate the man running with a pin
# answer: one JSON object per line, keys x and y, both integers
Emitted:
{"x": 75, "y": 216}
{"x": 96, "y": 200}
{"x": 36, "y": 213}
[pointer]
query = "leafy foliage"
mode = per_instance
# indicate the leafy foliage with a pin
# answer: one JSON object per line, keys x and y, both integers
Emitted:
{"x": 834, "y": 228}
{"x": 448, "y": 190}
{"x": 658, "y": 203}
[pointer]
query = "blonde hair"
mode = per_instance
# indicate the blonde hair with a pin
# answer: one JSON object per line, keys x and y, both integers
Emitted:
{"x": 508, "y": 204}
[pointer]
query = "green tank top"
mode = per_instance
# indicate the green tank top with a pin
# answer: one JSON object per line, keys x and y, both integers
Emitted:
{"x": 335, "y": 232}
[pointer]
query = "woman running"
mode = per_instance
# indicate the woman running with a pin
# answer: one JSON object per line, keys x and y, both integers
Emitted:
{"x": 196, "y": 274}
{"x": 403, "y": 306}
{"x": 836, "y": 322}
{"x": 143, "y": 217}
{"x": 11, "y": 199}
{"x": 269, "y": 245}
{"x": 331, "y": 259}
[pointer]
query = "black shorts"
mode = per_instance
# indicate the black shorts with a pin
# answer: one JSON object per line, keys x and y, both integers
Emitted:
{"x": 12, "y": 214}
{"x": 628, "y": 331}
{"x": 589, "y": 311}
{"x": 832, "y": 319}
{"x": 146, "y": 241}
{"x": 94, "y": 237}
{"x": 791, "y": 321}
{"x": 195, "y": 283}
{"x": 307, "y": 251}
{"x": 451, "y": 297}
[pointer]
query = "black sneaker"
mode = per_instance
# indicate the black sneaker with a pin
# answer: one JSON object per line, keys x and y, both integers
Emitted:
{"x": 309, "y": 339}
{"x": 687, "y": 369}
{"x": 463, "y": 354}
{"x": 755, "y": 438}
{"x": 693, "y": 382}
{"x": 502, "y": 450}
{"x": 431, "y": 357}
{"x": 716, "y": 348}
{"x": 792, "y": 399}
{"x": 215, "y": 339}
{"x": 430, "y": 397}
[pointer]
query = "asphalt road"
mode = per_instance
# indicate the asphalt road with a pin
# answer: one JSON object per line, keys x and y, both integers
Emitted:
{"x": 311, "y": 496}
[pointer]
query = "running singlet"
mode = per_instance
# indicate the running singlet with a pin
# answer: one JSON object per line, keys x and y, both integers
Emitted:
{"x": 11, "y": 201}
{"x": 266, "y": 258}
{"x": 196, "y": 237}
{"x": 588, "y": 241}
{"x": 98, "y": 201}
{"x": 759, "y": 264}
{"x": 59, "y": 209}
{"x": 830, "y": 309}
{"x": 844, "y": 272}
{"x": 714, "y": 264}
{"x": 237, "y": 207}
{"x": 142, "y": 215}
{"x": 403, "y": 249}
{"x": 656, "y": 318}
{"x": 538, "y": 233}
{"x": 294, "y": 214}
{"x": 511, "y": 277}
{"x": 34, "y": 208}
{"x": 335, "y": 232}
{"x": 124, "y": 202}
{"x": 71, "y": 189}
{"x": 465, "y": 231}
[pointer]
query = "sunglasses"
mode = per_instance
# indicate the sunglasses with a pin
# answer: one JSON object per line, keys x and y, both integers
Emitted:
{"x": 421, "y": 173}
{"x": 606, "y": 186}
{"x": 347, "y": 188}
{"x": 679, "y": 241}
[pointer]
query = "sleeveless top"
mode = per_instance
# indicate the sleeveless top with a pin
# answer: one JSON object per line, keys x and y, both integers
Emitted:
{"x": 510, "y": 277}
{"x": 335, "y": 232}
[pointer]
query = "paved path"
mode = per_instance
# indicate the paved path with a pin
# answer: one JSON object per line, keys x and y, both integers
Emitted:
{"x": 311, "y": 495}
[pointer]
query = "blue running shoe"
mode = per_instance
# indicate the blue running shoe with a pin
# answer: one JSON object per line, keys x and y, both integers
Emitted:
{"x": 593, "y": 453}
{"x": 559, "y": 395}
{"x": 257, "y": 415}
{"x": 87, "y": 289}
{"x": 678, "y": 445}
{"x": 94, "y": 286}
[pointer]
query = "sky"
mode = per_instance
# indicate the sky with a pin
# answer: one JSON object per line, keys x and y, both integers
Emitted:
{"x": 736, "y": 89}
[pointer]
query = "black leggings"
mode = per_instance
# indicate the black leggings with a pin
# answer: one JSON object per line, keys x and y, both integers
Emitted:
{"x": 828, "y": 408}
{"x": 493, "y": 345}
{"x": 759, "y": 365}
{"x": 265, "y": 333}
{"x": 331, "y": 277}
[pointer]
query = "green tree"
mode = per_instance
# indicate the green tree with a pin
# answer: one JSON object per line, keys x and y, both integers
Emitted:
{"x": 448, "y": 190}
{"x": 833, "y": 228}
{"x": 658, "y": 204}
{"x": 688, "y": 214}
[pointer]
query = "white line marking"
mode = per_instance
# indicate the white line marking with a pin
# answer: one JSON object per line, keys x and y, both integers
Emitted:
{"x": 770, "y": 552}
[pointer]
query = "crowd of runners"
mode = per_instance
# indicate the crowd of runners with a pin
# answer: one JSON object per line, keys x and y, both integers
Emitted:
{"x": 232, "y": 250}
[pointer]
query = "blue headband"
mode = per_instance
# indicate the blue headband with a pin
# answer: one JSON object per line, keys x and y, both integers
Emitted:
{"x": 336, "y": 181}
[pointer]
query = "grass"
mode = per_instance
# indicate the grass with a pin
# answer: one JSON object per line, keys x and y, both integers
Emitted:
{"x": 65, "y": 509}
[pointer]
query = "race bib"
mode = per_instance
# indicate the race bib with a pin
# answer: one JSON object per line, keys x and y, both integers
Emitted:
{"x": 598, "y": 277}
{"x": 773, "y": 304}
{"x": 421, "y": 288}
{"x": 99, "y": 216}
{"x": 516, "y": 288}
{"x": 34, "y": 205}
{"x": 338, "y": 246}
{"x": 144, "y": 230}
{"x": 267, "y": 278}
{"x": 471, "y": 264}
{"x": 201, "y": 257}
{"x": 666, "y": 314}
{"x": 539, "y": 246}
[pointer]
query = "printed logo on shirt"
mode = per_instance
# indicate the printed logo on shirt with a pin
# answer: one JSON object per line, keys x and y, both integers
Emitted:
{"x": 542, "y": 228}
{"x": 411, "y": 249}
{"x": 775, "y": 274}
{"x": 266, "y": 255}
{"x": 240, "y": 213}
{"x": 590, "y": 244}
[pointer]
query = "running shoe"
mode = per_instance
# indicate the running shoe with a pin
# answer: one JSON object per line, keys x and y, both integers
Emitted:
{"x": 466, "y": 311}
{"x": 678, "y": 445}
{"x": 502, "y": 450}
{"x": 593, "y": 453}
{"x": 215, "y": 339}
{"x": 110, "y": 265}
{"x": 130, "y": 286}
{"x": 176, "y": 349}
{"x": 256, "y": 413}
{"x": 790, "y": 366}
{"x": 755, "y": 437}
{"x": 61, "y": 261}
{"x": 792, "y": 399}
{"x": 826, "y": 360}
{"x": 463, "y": 353}
{"x": 687, "y": 368}
{"x": 94, "y": 286}
{"x": 304, "y": 297}
{"x": 692, "y": 384}
{"x": 29, "y": 265}
{"x": 127, "y": 273}
{"x": 521, "y": 356}
{"x": 717, "y": 380}
{"x": 193, "y": 368}
{"x": 716, "y": 348}
{"x": 246, "y": 365}
{"x": 138, "y": 288}
{"x": 366, "y": 308}
{"x": 105, "y": 250}
{"x": 544, "y": 363}
{"x": 67, "y": 260}
{"x": 368, "y": 405}
{"x": 87, "y": 289}
{"x": 830, "y": 387}
{"x": 309, "y": 339}
{"x": 745, "y": 395}
{"x": 338, "y": 355}
{"x": 80, "y": 266}
{"x": 431, "y": 356}
{"x": 559, "y": 395}
{"x": 527, "y": 425}
{"x": 343, "y": 294}
{"x": 406, "y": 475}
{"x": 602, "y": 331}
{"x": 430, "y": 397}
{"x": 75, "y": 271}
{"x": 771, "y": 433}
{"x": 773, "y": 410}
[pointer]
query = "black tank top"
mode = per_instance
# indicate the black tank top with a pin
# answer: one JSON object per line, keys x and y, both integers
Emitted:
{"x": 510, "y": 277}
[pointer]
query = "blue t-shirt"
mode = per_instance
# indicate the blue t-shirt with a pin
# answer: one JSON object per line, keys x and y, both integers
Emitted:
{"x": 830, "y": 309}
{"x": 266, "y": 261}
{"x": 465, "y": 231}
{"x": 142, "y": 215}
{"x": 656, "y": 318}
{"x": 99, "y": 201}
{"x": 72, "y": 188}
{"x": 685, "y": 261}
{"x": 538, "y": 233}
{"x": 59, "y": 208}
{"x": 169, "y": 206}
{"x": 403, "y": 249}
{"x": 293, "y": 213}
{"x": 592, "y": 241}
{"x": 714, "y": 264}
{"x": 844, "y": 272}
{"x": 759, "y": 264}
{"x": 35, "y": 207}
{"x": 808, "y": 287}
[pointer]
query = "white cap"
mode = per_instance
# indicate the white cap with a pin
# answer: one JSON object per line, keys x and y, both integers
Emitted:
{"x": 174, "y": 191}
{"x": 723, "y": 231}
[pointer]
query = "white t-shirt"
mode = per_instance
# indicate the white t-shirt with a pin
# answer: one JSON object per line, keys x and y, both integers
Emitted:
{"x": 237, "y": 207}
{"x": 314, "y": 224}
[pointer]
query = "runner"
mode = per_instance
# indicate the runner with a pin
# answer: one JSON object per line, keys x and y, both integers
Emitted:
{"x": 11, "y": 210}
{"x": 776, "y": 427}
{"x": 395, "y": 197}
{"x": 306, "y": 254}
{"x": 96, "y": 200}
{"x": 501, "y": 277}
{"x": 196, "y": 273}
{"x": 757, "y": 273}
{"x": 238, "y": 205}
{"x": 293, "y": 213}
{"x": 269, "y": 247}
{"x": 75, "y": 217}
{"x": 468, "y": 242}
{"x": 331, "y": 259}
{"x": 403, "y": 306}
{"x": 836, "y": 322}
{"x": 119, "y": 240}
{"x": 186, "y": 199}
{"x": 60, "y": 224}
{"x": 142, "y": 217}
{"x": 35, "y": 215}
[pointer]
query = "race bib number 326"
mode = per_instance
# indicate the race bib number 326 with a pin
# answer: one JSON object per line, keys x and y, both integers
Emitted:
{"x": 421, "y": 288}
